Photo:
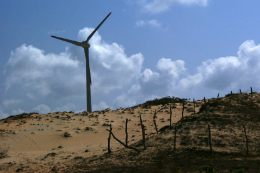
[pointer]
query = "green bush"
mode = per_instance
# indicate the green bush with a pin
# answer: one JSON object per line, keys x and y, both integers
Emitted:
{"x": 242, "y": 170}
{"x": 209, "y": 169}
{"x": 164, "y": 100}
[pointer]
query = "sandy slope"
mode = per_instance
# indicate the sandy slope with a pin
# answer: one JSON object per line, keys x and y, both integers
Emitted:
{"x": 31, "y": 140}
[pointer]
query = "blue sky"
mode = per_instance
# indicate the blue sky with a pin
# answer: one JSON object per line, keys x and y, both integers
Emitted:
{"x": 145, "y": 49}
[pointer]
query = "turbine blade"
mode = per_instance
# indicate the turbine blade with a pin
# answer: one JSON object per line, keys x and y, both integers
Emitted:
{"x": 67, "y": 40}
{"x": 89, "y": 37}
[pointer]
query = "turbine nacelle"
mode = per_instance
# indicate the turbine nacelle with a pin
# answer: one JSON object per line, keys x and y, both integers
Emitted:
{"x": 85, "y": 44}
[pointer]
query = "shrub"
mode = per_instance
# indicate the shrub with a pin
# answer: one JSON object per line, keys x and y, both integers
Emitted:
{"x": 163, "y": 101}
{"x": 242, "y": 170}
{"x": 209, "y": 169}
{"x": 3, "y": 153}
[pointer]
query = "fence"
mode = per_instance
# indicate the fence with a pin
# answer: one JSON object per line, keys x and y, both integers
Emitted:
{"x": 209, "y": 130}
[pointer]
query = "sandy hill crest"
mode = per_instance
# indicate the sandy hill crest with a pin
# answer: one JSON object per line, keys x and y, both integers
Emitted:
{"x": 68, "y": 142}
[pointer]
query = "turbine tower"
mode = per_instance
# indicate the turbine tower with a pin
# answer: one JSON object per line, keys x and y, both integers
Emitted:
{"x": 85, "y": 46}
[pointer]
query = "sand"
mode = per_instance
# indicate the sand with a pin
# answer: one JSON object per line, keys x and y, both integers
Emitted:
{"x": 30, "y": 141}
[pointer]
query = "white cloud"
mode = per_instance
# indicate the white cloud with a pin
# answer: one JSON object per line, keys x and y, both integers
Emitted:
{"x": 17, "y": 112}
{"x": 11, "y": 102}
{"x": 3, "y": 114}
{"x": 43, "y": 74}
{"x": 222, "y": 73}
{"x": 140, "y": 23}
{"x": 58, "y": 80}
{"x": 225, "y": 72}
{"x": 153, "y": 23}
{"x": 124, "y": 101}
{"x": 42, "y": 109}
{"x": 65, "y": 107}
{"x": 59, "y": 76}
{"x": 158, "y": 6}
{"x": 152, "y": 84}
{"x": 110, "y": 67}
{"x": 101, "y": 106}
{"x": 172, "y": 68}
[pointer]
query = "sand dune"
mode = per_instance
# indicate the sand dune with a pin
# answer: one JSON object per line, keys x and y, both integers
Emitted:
{"x": 41, "y": 142}
{"x": 31, "y": 139}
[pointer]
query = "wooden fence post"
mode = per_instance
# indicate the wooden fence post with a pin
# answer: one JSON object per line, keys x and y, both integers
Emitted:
{"x": 240, "y": 91}
{"x": 154, "y": 121}
{"x": 204, "y": 100}
{"x": 141, "y": 120}
{"x": 175, "y": 138}
{"x": 246, "y": 140}
{"x": 170, "y": 116}
{"x": 122, "y": 142}
{"x": 182, "y": 111}
{"x": 154, "y": 114}
{"x": 143, "y": 132}
{"x": 194, "y": 105}
{"x": 231, "y": 92}
{"x": 109, "y": 150}
{"x": 251, "y": 91}
{"x": 143, "y": 136}
{"x": 126, "y": 134}
{"x": 218, "y": 96}
{"x": 210, "y": 140}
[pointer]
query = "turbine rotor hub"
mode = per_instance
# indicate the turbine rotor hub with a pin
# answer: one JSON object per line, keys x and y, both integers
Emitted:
{"x": 85, "y": 44}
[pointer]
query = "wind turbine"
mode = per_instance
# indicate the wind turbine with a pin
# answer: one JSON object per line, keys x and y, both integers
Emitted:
{"x": 85, "y": 45}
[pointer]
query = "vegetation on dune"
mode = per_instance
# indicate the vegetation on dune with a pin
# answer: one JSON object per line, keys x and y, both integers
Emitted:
{"x": 20, "y": 116}
{"x": 163, "y": 101}
{"x": 3, "y": 153}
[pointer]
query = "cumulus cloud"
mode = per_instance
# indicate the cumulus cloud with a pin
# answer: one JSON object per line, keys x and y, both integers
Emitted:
{"x": 45, "y": 82}
{"x": 63, "y": 75}
{"x": 101, "y": 106}
{"x": 224, "y": 72}
{"x": 158, "y": 6}
{"x": 172, "y": 68}
{"x": 42, "y": 109}
{"x": 43, "y": 74}
{"x": 110, "y": 67}
{"x": 18, "y": 111}
{"x": 3, "y": 114}
{"x": 57, "y": 79}
{"x": 124, "y": 101}
{"x": 170, "y": 78}
{"x": 151, "y": 84}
